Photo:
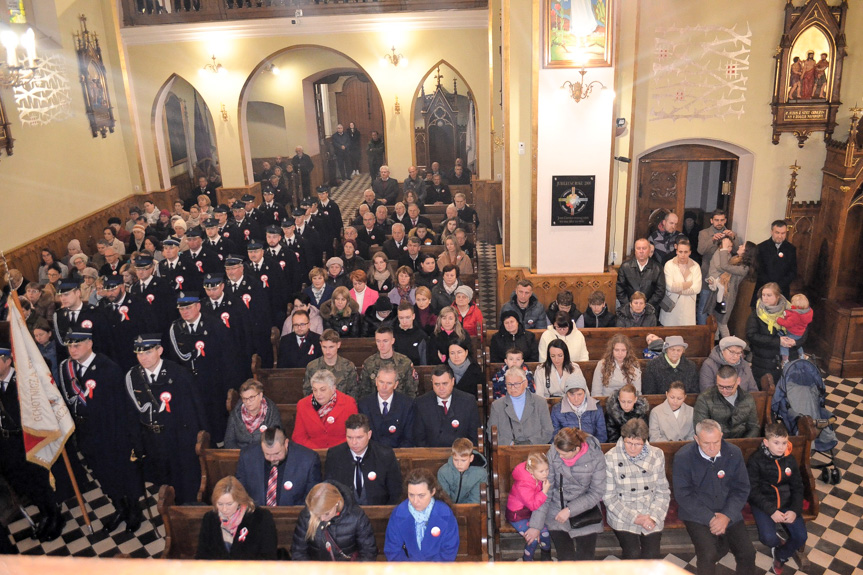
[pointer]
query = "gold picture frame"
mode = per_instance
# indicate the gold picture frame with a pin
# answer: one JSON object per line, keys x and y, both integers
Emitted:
{"x": 6, "y": 139}
{"x": 94, "y": 82}
{"x": 577, "y": 33}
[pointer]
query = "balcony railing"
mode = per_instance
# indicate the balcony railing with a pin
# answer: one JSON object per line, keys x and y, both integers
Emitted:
{"x": 152, "y": 12}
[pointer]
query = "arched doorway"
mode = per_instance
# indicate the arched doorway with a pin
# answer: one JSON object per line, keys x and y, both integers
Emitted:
{"x": 185, "y": 137}
{"x": 298, "y": 96}
{"x": 444, "y": 120}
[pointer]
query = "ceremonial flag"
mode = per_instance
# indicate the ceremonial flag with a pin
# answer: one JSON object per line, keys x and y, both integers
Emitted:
{"x": 470, "y": 138}
{"x": 45, "y": 419}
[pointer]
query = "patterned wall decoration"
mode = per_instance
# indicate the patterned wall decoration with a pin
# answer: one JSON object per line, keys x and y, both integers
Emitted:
{"x": 46, "y": 98}
{"x": 700, "y": 72}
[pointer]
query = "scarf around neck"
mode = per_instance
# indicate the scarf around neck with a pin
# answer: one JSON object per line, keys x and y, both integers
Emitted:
{"x": 326, "y": 408}
{"x": 570, "y": 462}
{"x": 381, "y": 277}
{"x": 770, "y": 313}
{"x": 231, "y": 524}
{"x": 253, "y": 422}
{"x": 640, "y": 457}
{"x": 459, "y": 370}
{"x": 421, "y": 519}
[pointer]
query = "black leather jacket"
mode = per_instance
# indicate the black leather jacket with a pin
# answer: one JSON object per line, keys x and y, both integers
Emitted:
{"x": 650, "y": 282}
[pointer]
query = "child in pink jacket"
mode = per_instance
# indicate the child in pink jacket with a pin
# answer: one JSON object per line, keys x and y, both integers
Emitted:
{"x": 795, "y": 321}
{"x": 529, "y": 489}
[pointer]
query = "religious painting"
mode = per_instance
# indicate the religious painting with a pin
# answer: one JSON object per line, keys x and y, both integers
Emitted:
{"x": 572, "y": 200}
{"x": 94, "y": 81}
{"x": 809, "y": 69}
{"x": 176, "y": 127}
{"x": 577, "y": 33}
{"x": 6, "y": 139}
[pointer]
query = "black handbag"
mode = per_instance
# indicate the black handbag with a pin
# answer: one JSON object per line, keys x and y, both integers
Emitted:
{"x": 590, "y": 517}
{"x": 667, "y": 304}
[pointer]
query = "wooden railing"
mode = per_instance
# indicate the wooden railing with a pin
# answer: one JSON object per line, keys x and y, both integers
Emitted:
{"x": 154, "y": 12}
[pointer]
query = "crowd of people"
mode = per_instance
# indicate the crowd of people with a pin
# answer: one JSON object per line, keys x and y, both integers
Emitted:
{"x": 148, "y": 337}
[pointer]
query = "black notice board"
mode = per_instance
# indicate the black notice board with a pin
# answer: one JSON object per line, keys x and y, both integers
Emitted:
{"x": 572, "y": 200}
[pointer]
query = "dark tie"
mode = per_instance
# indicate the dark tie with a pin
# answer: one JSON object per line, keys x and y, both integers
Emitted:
{"x": 445, "y": 410}
{"x": 272, "y": 480}
{"x": 191, "y": 327}
{"x": 257, "y": 267}
{"x": 358, "y": 476}
{"x": 73, "y": 316}
{"x": 302, "y": 340}
{"x": 79, "y": 370}
{"x": 385, "y": 410}
{"x": 153, "y": 379}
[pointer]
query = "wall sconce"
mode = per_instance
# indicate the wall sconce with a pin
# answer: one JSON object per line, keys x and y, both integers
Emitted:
{"x": 214, "y": 67}
{"x": 580, "y": 90}
{"x": 397, "y": 60}
{"x": 273, "y": 69}
{"x": 224, "y": 112}
{"x": 397, "y": 108}
{"x": 18, "y": 69}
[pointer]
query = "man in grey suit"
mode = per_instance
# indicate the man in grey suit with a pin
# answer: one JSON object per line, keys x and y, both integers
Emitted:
{"x": 521, "y": 418}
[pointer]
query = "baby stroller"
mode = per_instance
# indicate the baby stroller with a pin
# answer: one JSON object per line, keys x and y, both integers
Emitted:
{"x": 800, "y": 392}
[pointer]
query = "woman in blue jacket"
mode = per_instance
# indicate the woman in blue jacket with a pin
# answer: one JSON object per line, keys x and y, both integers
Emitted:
{"x": 577, "y": 409}
{"x": 423, "y": 527}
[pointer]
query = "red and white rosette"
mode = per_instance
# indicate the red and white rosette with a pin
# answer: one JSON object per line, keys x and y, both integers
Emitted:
{"x": 282, "y": 263}
{"x": 200, "y": 265}
{"x": 244, "y": 532}
{"x": 179, "y": 280}
{"x": 90, "y": 385}
{"x": 124, "y": 310}
{"x": 265, "y": 280}
{"x": 246, "y": 233}
{"x": 247, "y": 298}
{"x": 150, "y": 298}
{"x": 87, "y": 324}
{"x": 199, "y": 345}
{"x": 225, "y": 319}
{"x": 165, "y": 396}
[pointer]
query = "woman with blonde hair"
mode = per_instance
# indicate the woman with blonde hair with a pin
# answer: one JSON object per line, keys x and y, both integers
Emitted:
{"x": 453, "y": 255}
{"x": 236, "y": 529}
{"x": 380, "y": 277}
{"x": 447, "y": 331}
{"x": 342, "y": 314}
{"x": 618, "y": 367}
{"x": 333, "y": 527}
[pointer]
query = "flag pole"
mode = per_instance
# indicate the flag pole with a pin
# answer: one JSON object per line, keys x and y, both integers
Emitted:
{"x": 14, "y": 297}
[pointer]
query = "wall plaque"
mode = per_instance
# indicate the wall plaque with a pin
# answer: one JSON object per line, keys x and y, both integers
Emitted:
{"x": 572, "y": 200}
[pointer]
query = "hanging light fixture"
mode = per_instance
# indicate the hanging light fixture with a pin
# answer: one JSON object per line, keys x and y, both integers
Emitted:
{"x": 214, "y": 67}
{"x": 397, "y": 60}
{"x": 581, "y": 90}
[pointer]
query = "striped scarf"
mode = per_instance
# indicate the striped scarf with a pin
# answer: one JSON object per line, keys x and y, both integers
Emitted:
{"x": 253, "y": 422}
{"x": 326, "y": 408}
{"x": 231, "y": 524}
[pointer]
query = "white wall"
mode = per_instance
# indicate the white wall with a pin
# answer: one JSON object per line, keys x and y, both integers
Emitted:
{"x": 579, "y": 137}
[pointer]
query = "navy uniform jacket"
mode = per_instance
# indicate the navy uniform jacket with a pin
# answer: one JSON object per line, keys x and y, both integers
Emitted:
{"x": 248, "y": 230}
{"x": 396, "y": 428}
{"x": 207, "y": 261}
{"x": 314, "y": 244}
{"x": 292, "y": 355}
{"x": 382, "y": 476}
{"x": 127, "y": 320}
{"x": 160, "y": 299}
{"x": 102, "y": 419}
{"x": 173, "y": 404}
{"x": 271, "y": 215}
{"x": 274, "y": 286}
{"x": 232, "y": 233}
{"x": 215, "y": 364}
{"x": 236, "y": 318}
{"x": 305, "y": 254}
{"x": 298, "y": 473}
{"x": 292, "y": 269}
{"x": 89, "y": 318}
{"x": 250, "y": 294}
{"x": 433, "y": 428}
{"x": 185, "y": 275}
{"x": 332, "y": 213}
{"x": 223, "y": 247}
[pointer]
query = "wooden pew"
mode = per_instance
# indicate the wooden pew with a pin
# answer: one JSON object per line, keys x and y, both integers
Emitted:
{"x": 505, "y": 458}
{"x": 698, "y": 337}
{"x": 5, "y": 335}
{"x": 587, "y": 369}
{"x": 183, "y": 525}
{"x": 219, "y": 463}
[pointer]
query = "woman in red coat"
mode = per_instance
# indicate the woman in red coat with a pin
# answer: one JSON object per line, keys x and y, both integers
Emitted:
{"x": 468, "y": 312}
{"x": 320, "y": 422}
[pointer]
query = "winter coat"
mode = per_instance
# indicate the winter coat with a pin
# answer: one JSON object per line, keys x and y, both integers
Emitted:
{"x": 701, "y": 491}
{"x": 590, "y": 319}
{"x": 658, "y": 374}
{"x": 795, "y": 320}
{"x": 534, "y": 427}
{"x": 650, "y": 282}
{"x": 583, "y": 488}
{"x": 625, "y": 317}
{"x": 350, "y": 529}
{"x": 554, "y": 387}
{"x": 472, "y": 321}
{"x": 711, "y": 365}
{"x": 665, "y": 426}
{"x": 525, "y": 492}
{"x": 721, "y": 263}
{"x": 738, "y": 420}
{"x": 369, "y": 298}
{"x": 523, "y": 340}
{"x": 574, "y": 340}
{"x": 553, "y": 308}
{"x": 346, "y": 325}
{"x": 615, "y": 417}
{"x": 776, "y": 483}
{"x": 258, "y": 543}
{"x": 765, "y": 347}
{"x": 615, "y": 382}
{"x": 635, "y": 488}
{"x": 463, "y": 486}
{"x": 532, "y": 317}
{"x": 312, "y": 432}
{"x": 237, "y": 435}
{"x": 401, "y": 541}
{"x": 591, "y": 421}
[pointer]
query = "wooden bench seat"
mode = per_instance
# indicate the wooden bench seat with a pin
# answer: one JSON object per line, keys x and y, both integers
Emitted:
{"x": 219, "y": 463}
{"x": 183, "y": 525}
{"x": 698, "y": 337}
{"x": 505, "y": 458}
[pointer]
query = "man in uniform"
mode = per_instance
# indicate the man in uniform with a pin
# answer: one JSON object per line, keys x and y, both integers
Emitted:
{"x": 94, "y": 389}
{"x": 170, "y": 415}
{"x": 312, "y": 239}
{"x": 344, "y": 371}
{"x": 178, "y": 269}
{"x": 235, "y": 318}
{"x": 271, "y": 212}
{"x": 24, "y": 477}
{"x": 227, "y": 229}
{"x": 247, "y": 229}
{"x": 253, "y": 214}
{"x": 369, "y": 467}
{"x": 155, "y": 291}
{"x": 331, "y": 214}
{"x": 215, "y": 242}
{"x": 75, "y": 314}
{"x": 127, "y": 317}
{"x": 391, "y": 413}
{"x": 204, "y": 260}
{"x": 288, "y": 260}
{"x": 297, "y": 245}
{"x": 408, "y": 379}
{"x": 271, "y": 276}
{"x": 247, "y": 292}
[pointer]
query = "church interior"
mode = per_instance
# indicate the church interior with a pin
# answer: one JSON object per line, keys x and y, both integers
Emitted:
{"x": 576, "y": 141}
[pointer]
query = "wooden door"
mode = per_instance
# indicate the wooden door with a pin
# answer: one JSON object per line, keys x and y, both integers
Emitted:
{"x": 359, "y": 102}
{"x": 661, "y": 186}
